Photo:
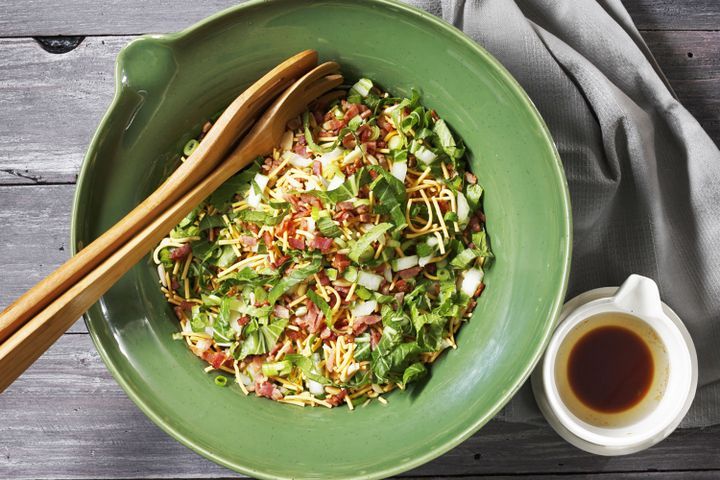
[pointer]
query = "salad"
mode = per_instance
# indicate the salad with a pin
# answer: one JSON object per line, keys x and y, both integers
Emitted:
{"x": 338, "y": 267}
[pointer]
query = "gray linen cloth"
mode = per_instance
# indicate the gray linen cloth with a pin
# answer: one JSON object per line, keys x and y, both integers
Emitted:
{"x": 644, "y": 177}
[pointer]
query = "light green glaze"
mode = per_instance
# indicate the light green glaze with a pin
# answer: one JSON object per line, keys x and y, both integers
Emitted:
{"x": 168, "y": 85}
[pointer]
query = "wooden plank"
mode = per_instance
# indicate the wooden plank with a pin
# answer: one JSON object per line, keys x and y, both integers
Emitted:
{"x": 51, "y": 105}
{"x": 105, "y": 17}
{"x": 76, "y": 87}
{"x": 691, "y": 62}
{"x": 77, "y": 17}
{"x": 650, "y": 475}
{"x": 67, "y": 418}
{"x": 674, "y": 14}
{"x": 34, "y": 237}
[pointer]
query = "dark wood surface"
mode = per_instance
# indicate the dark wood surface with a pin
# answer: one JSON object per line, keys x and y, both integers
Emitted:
{"x": 66, "y": 417}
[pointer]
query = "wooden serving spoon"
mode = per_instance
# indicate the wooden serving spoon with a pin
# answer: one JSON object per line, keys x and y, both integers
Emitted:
{"x": 20, "y": 350}
{"x": 222, "y": 136}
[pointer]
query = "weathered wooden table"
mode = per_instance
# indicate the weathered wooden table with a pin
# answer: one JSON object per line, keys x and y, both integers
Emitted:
{"x": 66, "y": 417}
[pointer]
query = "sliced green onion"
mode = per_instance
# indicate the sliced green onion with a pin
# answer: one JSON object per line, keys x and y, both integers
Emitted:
{"x": 221, "y": 380}
{"x": 190, "y": 147}
{"x": 443, "y": 274}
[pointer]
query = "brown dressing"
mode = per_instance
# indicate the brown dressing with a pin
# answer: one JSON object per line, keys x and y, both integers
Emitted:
{"x": 610, "y": 369}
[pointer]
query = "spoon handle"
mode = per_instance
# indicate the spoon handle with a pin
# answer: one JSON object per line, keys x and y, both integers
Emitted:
{"x": 233, "y": 122}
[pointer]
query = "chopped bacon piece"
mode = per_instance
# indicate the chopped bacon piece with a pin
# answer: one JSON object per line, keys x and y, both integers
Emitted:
{"x": 474, "y": 224}
{"x": 280, "y": 260}
{"x": 248, "y": 241}
{"x": 343, "y": 291}
{"x": 293, "y": 335}
{"x": 365, "y": 217}
{"x": 267, "y": 238}
{"x": 321, "y": 243}
{"x": 340, "y": 262}
{"x": 336, "y": 400}
{"x": 179, "y": 313}
{"x": 370, "y": 147}
{"x": 216, "y": 359}
{"x": 402, "y": 286}
{"x": 361, "y": 323}
{"x": 267, "y": 389}
{"x": 300, "y": 149}
{"x": 311, "y": 200}
{"x": 335, "y": 124}
{"x": 342, "y": 216}
{"x": 384, "y": 124}
{"x": 186, "y": 305}
{"x": 409, "y": 272}
{"x": 181, "y": 253}
{"x": 322, "y": 276}
{"x": 297, "y": 243}
{"x": 281, "y": 311}
{"x": 174, "y": 284}
{"x": 244, "y": 320}
{"x": 275, "y": 349}
{"x": 317, "y": 168}
{"x": 312, "y": 319}
{"x": 351, "y": 111}
{"x": 253, "y": 228}
{"x": 327, "y": 333}
{"x": 374, "y": 337}
{"x": 348, "y": 141}
{"x": 364, "y": 132}
{"x": 470, "y": 178}
{"x": 345, "y": 206}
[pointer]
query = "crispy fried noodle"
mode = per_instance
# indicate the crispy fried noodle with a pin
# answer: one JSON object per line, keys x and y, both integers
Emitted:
{"x": 337, "y": 268}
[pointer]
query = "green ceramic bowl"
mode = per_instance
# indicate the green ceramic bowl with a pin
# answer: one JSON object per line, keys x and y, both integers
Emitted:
{"x": 168, "y": 85}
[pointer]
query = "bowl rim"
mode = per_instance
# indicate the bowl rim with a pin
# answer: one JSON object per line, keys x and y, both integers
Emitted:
{"x": 463, "y": 433}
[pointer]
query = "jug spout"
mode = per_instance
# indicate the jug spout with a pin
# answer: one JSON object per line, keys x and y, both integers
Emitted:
{"x": 640, "y": 296}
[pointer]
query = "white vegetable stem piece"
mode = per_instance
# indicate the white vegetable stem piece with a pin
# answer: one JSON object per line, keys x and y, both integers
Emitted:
{"x": 371, "y": 281}
{"x": 364, "y": 308}
{"x": 253, "y": 198}
{"x": 404, "y": 263}
{"x": 471, "y": 281}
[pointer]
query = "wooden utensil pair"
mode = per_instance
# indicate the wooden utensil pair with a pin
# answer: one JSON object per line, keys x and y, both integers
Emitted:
{"x": 40, "y": 316}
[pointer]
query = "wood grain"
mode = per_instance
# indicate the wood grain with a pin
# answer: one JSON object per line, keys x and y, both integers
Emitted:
{"x": 79, "y": 17}
{"x": 75, "y": 89}
{"x": 51, "y": 105}
{"x": 674, "y": 14}
{"x": 34, "y": 238}
{"x": 66, "y": 417}
{"x": 68, "y": 407}
{"x": 205, "y": 161}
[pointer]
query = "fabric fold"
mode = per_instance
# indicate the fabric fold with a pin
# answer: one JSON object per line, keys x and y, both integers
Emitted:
{"x": 644, "y": 177}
